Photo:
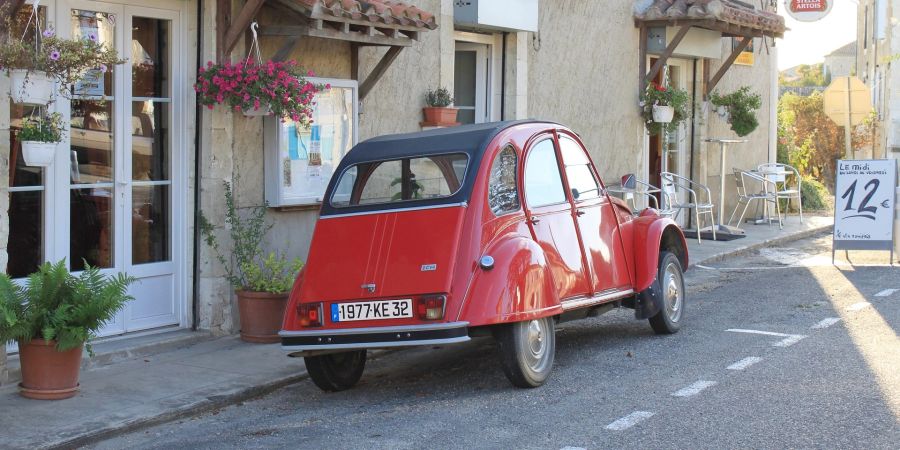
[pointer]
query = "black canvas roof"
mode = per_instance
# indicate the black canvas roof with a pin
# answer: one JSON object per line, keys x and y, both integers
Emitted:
{"x": 469, "y": 139}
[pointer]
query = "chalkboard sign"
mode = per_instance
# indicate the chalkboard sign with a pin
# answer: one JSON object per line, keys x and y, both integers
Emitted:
{"x": 864, "y": 205}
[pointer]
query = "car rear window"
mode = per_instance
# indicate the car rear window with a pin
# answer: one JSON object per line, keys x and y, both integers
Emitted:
{"x": 400, "y": 180}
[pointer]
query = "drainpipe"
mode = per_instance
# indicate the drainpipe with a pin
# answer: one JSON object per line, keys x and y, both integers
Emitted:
{"x": 198, "y": 116}
{"x": 693, "y": 125}
{"x": 503, "y": 78}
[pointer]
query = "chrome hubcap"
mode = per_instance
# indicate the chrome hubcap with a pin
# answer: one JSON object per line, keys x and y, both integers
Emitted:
{"x": 534, "y": 340}
{"x": 672, "y": 292}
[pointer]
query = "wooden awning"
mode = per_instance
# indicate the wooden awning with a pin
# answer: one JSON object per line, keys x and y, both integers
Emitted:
{"x": 732, "y": 18}
{"x": 386, "y": 23}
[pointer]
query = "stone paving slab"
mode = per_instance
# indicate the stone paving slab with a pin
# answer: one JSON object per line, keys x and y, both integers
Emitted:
{"x": 152, "y": 389}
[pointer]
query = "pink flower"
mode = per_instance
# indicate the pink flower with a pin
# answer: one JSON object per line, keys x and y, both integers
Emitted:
{"x": 327, "y": 85}
{"x": 48, "y": 32}
{"x": 92, "y": 36}
{"x": 54, "y": 55}
{"x": 103, "y": 68}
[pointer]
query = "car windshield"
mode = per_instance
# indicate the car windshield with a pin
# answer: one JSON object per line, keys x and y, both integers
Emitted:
{"x": 400, "y": 180}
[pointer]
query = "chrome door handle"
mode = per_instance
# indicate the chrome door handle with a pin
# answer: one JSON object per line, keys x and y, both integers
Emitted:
{"x": 579, "y": 212}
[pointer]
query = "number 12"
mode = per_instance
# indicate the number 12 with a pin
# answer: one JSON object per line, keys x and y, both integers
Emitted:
{"x": 862, "y": 207}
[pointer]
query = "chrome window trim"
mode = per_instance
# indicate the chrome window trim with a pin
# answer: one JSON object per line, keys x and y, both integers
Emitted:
{"x": 600, "y": 298}
{"x": 393, "y": 210}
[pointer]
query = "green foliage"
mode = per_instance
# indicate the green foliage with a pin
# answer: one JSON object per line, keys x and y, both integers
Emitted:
{"x": 275, "y": 274}
{"x": 245, "y": 267}
{"x": 48, "y": 128}
{"x": 56, "y": 305}
{"x": 439, "y": 98}
{"x": 658, "y": 95}
{"x": 814, "y": 194}
{"x": 807, "y": 75}
{"x": 741, "y": 105}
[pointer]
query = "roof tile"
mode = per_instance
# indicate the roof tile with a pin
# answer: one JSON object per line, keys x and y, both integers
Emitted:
{"x": 388, "y": 12}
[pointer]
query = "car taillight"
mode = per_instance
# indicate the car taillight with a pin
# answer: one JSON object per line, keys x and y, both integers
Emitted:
{"x": 310, "y": 314}
{"x": 431, "y": 307}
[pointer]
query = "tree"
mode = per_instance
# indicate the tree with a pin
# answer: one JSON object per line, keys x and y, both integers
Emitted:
{"x": 807, "y": 75}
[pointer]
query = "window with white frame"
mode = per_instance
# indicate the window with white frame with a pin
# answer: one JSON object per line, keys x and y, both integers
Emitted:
{"x": 300, "y": 159}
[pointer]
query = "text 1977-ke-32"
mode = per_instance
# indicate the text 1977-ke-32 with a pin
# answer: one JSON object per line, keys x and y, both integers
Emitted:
{"x": 500, "y": 229}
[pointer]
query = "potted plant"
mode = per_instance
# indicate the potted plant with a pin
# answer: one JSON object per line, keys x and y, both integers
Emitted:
{"x": 39, "y": 137}
{"x": 277, "y": 88}
{"x": 52, "y": 318}
{"x": 739, "y": 108}
{"x": 34, "y": 65}
{"x": 262, "y": 283}
{"x": 439, "y": 112}
{"x": 662, "y": 108}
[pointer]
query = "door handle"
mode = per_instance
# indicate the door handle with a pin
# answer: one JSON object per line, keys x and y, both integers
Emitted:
{"x": 534, "y": 220}
{"x": 579, "y": 212}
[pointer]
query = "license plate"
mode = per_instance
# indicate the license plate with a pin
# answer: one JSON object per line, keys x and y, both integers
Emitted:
{"x": 376, "y": 310}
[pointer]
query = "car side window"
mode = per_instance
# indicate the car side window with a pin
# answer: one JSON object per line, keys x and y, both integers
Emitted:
{"x": 503, "y": 194}
{"x": 543, "y": 185}
{"x": 581, "y": 178}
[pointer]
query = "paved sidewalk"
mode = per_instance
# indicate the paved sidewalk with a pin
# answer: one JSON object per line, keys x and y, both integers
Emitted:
{"x": 130, "y": 393}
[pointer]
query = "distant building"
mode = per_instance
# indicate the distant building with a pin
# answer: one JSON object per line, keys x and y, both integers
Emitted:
{"x": 876, "y": 49}
{"x": 841, "y": 62}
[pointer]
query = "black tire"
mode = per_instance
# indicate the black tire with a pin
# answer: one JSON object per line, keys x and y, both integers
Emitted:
{"x": 337, "y": 371}
{"x": 527, "y": 350}
{"x": 669, "y": 284}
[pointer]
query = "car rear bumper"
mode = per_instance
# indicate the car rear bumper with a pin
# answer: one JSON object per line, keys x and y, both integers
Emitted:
{"x": 375, "y": 337}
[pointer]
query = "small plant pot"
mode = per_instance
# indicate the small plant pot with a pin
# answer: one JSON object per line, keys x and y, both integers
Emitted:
{"x": 437, "y": 116}
{"x": 30, "y": 87}
{"x": 48, "y": 374}
{"x": 663, "y": 114}
{"x": 262, "y": 111}
{"x": 38, "y": 154}
{"x": 261, "y": 316}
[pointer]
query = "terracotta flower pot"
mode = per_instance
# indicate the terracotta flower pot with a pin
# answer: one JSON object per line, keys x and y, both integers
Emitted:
{"x": 440, "y": 116}
{"x": 261, "y": 315}
{"x": 48, "y": 374}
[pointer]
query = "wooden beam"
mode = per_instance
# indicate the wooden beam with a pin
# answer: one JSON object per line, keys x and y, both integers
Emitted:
{"x": 223, "y": 18}
{"x": 642, "y": 63}
{"x": 240, "y": 23}
{"x": 326, "y": 32}
{"x": 285, "y": 50}
{"x": 682, "y": 32}
{"x": 379, "y": 71}
{"x": 354, "y": 61}
{"x": 727, "y": 64}
{"x": 705, "y": 77}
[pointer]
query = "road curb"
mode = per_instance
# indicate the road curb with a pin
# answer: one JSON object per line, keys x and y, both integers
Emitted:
{"x": 744, "y": 250}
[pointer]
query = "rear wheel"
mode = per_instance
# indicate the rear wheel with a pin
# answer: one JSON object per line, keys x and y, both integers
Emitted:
{"x": 670, "y": 285}
{"x": 527, "y": 350}
{"x": 337, "y": 371}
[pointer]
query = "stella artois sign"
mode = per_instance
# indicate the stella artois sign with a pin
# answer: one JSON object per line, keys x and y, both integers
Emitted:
{"x": 808, "y": 10}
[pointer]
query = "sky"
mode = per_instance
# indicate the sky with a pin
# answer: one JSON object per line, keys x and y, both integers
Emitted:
{"x": 809, "y": 42}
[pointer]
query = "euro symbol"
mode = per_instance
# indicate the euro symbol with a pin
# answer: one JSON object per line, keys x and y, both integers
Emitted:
{"x": 885, "y": 203}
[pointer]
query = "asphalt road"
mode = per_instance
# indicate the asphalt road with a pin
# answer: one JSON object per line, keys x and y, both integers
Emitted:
{"x": 778, "y": 350}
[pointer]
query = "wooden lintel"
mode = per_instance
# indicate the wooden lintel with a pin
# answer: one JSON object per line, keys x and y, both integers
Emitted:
{"x": 240, "y": 23}
{"x": 726, "y": 65}
{"x": 366, "y": 86}
{"x": 223, "y": 18}
{"x": 642, "y": 62}
{"x": 354, "y": 61}
{"x": 682, "y": 32}
{"x": 359, "y": 38}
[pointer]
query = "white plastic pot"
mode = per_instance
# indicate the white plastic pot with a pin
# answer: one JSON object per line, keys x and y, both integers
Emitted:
{"x": 663, "y": 114}
{"x": 38, "y": 154}
{"x": 30, "y": 87}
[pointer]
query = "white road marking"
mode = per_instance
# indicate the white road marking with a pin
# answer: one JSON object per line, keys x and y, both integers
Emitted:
{"x": 884, "y": 293}
{"x": 573, "y": 448}
{"x": 704, "y": 267}
{"x": 744, "y": 363}
{"x": 825, "y": 323}
{"x": 629, "y": 421}
{"x": 693, "y": 389}
{"x": 789, "y": 341}
{"x": 858, "y": 306}
{"x": 767, "y": 333}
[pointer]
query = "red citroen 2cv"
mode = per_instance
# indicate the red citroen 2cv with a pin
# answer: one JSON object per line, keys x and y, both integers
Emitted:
{"x": 500, "y": 229}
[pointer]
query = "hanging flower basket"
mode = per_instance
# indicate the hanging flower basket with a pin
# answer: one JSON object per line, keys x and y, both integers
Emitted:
{"x": 38, "y": 154}
{"x": 663, "y": 114}
{"x": 261, "y": 112}
{"x": 30, "y": 87}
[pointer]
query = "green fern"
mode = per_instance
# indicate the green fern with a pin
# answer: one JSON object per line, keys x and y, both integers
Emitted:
{"x": 56, "y": 305}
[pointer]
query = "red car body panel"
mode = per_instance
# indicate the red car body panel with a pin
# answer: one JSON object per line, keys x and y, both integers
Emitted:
{"x": 575, "y": 252}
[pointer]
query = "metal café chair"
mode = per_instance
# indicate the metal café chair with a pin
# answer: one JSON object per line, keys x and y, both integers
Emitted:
{"x": 779, "y": 173}
{"x": 742, "y": 179}
{"x": 672, "y": 183}
{"x": 631, "y": 185}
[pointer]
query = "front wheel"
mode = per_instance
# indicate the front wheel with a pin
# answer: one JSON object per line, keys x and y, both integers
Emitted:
{"x": 526, "y": 351}
{"x": 670, "y": 285}
{"x": 337, "y": 371}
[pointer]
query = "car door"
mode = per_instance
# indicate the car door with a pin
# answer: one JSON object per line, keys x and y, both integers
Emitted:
{"x": 550, "y": 217}
{"x": 596, "y": 219}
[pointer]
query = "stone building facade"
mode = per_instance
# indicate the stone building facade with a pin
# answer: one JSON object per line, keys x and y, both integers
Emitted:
{"x": 578, "y": 67}
{"x": 877, "y": 53}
